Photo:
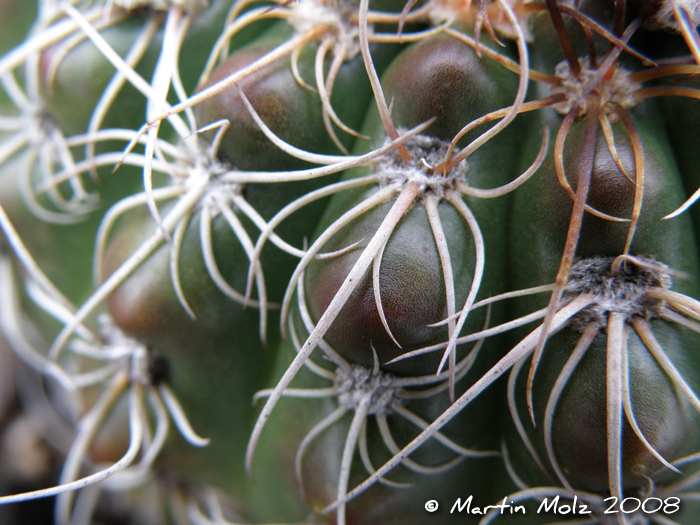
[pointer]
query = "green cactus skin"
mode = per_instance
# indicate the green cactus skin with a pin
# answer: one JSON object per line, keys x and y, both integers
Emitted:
{"x": 665, "y": 419}
{"x": 55, "y": 245}
{"x": 539, "y": 225}
{"x": 215, "y": 360}
{"x": 82, "y": 76}
{"x": 83, "y": 73}
{"x": 547, "y": 208}
{"x": 321, "y": 463}
{"x": 683, "y": 126}
{"x": 16, "y": 19}
{"x": 215, "y": 363}
{"x": 293, "y": 112}
{"x": 411, "y": 255}
{"x": 578, "y": 426}
{"x": 442, "y": 77}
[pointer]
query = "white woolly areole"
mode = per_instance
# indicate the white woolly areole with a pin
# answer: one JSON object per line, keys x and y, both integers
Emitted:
{"x": 665, "y": 17}
{"x": 426, "y": 153}
{"x": 191, "y": 6}
{"x": 354, "y": 382}
{"x": 116, "y": 345}
{"x": 40, "y": 126}
{"x": 466, "y": 11}
{"x": 623, "y": 293}
{"x": 309, "y": 14}
{"x": 202, "y": 164}
{"x": 618, "y": 89}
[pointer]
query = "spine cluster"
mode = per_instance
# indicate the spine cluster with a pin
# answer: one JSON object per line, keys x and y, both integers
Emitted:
{"x": 349, "y": 261}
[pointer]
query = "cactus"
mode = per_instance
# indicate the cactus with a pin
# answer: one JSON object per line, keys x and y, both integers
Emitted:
{"x": 272, "y": 262}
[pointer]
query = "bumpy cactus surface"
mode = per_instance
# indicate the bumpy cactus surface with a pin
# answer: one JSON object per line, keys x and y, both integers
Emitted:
{"x": 349, "y": 262}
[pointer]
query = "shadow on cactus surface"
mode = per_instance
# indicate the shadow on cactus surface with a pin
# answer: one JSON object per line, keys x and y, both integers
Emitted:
{"x": 271, "y": 263}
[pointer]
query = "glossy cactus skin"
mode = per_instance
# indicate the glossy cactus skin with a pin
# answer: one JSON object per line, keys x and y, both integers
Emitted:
{"x": 548, "y": 207}
{"x": 147, "y": 307}
{"x": 285, "y": 104}
{"x": 670, "y": 436}
{"x": 452, "y": 74}
{"x": 444, "y": 78}
{"x": 320, "y": 463}
{"x": 64, "y": 91}
{"x": 574, "y": 418}
{"x": 410, "y": 256}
